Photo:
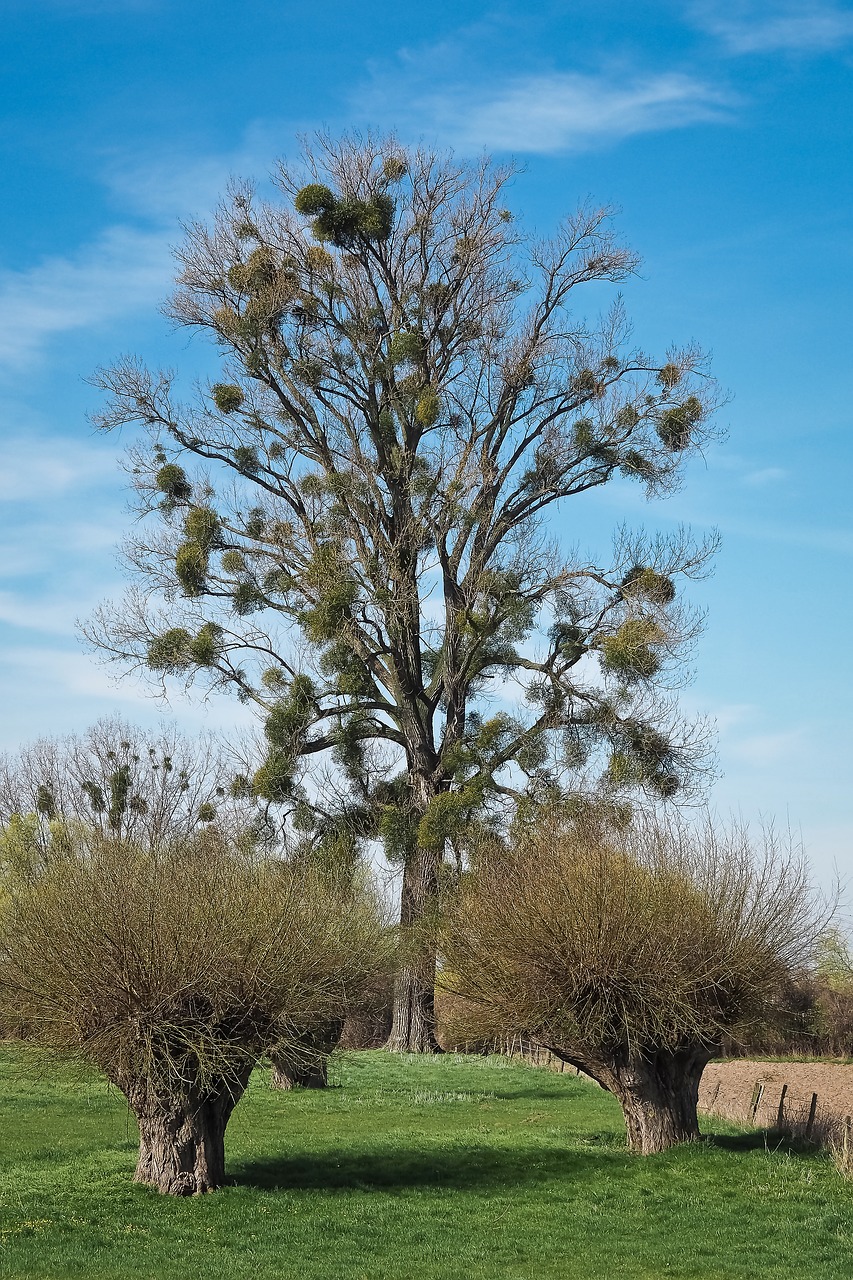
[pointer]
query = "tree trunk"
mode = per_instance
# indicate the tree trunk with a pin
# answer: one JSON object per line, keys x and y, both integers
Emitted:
{"x": 659, "y": 1093}
{"x": 413, "y": 1023}
{"x": 288, "y": 1075}
{"x": 310, "y": 1070}
{"x": 182, "y": 1134}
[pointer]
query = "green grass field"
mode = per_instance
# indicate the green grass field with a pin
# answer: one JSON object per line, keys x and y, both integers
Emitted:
{"x": 455, "y": 1167}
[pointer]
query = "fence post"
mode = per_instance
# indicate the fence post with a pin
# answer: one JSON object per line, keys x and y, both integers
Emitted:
{"x": 757, "y": 1094}
{"x": 810, "y": 1121}
{"x": 780, "y": 1110}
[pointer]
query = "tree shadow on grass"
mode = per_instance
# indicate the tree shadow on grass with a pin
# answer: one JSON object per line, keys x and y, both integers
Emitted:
{"x": 544, "y": 1092}
{"x": 480, "y": 1168}
{"x": 760, "y": 1140}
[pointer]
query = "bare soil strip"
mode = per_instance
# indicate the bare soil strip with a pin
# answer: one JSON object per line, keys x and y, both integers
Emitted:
{"x": 778, "y": 1093}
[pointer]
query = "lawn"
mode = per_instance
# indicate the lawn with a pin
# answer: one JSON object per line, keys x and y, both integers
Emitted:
{"x": 453, "y": 1167}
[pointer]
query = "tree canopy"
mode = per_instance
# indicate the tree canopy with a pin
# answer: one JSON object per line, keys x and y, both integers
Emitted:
{"x": 149, "y": 786}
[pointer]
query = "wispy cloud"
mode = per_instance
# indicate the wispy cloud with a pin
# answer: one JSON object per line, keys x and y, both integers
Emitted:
{"x": 546, "y": 114}
{"x": 38, "y": 465}
{"x": 761, "y": 750}
{"x": 122, "y": 271}
{"x": 67, "y": 689}
{"x": 128, "y": 268}
{"x": 745, "y": 740}
{"x": 773, "y": 28}
{"x": 764, "y": 476}
{"x": 173, "y": 186}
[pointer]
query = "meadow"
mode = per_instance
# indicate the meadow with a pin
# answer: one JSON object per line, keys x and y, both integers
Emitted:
{"x": 438, "y": 1168}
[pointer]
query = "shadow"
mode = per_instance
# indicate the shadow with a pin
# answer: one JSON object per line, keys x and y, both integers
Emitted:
{"x": 473, "y": 1167}
{"x": 755, "y": 1140}
{"x": 760, "y": 1140}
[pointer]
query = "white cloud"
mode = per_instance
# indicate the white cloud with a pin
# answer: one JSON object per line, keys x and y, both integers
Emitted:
{"x": 732, "y": 715}
{"x": 128, "y": 268}
{"x": 763, "y": 28}
{"x": 52, "y": 614}
{"x": 166, "y": 188}
{"x": 760, "y": 750}
{"x": 123, "y": 271}
{"x": 67, "y": 689}
{"x": 560, "y": 112}
{"x": 764, "y": 476}
{"x": 40, "y": 466}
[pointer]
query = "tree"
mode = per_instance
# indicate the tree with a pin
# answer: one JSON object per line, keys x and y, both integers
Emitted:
{"x": 311, "y": 1070}
{"x": 361, "y": 551}
{"x": 149, "y": 787}
{"x": 174, "y": 970}
{"x": 630, "y": 953}
{"x": 835, "y": 961}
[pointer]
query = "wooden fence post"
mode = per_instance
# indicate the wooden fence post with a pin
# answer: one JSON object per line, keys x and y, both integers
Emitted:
{"x": 812, "y": 1111}
{"x": 780, "y": 1110}
{"x": 757, "y": 1095}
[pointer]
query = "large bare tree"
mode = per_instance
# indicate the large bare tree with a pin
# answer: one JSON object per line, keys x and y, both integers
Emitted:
{"x": 360, "y": 546}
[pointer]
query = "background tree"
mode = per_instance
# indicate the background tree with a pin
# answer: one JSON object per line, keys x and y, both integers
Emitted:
{"x": 174, "y": 970}
{"x": 631, "y": 954}
{"x": 360, "y": 550}
{"x": 148, "y": 786}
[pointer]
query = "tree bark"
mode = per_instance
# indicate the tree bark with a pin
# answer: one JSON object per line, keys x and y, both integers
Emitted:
{"x": 413, "y": 1022}
{"x": 310, "y": 1071}
{"x": 658, "y": 1092}
{"x": 182, "y": 1133}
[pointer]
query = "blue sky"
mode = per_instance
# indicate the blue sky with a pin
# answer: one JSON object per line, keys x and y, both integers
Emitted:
{"x": 722, "y": 132}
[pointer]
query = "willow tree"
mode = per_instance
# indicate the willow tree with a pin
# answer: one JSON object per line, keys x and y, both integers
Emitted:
{"x": 350, "y": 517}
{"x": 632, "y": 953}
{"x": 174, "y": 970}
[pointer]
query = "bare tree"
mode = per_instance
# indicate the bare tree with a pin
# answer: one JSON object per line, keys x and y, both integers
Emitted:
{"x": 174, "y": 970}
{"x": 148, "y": 786}
{"x": 630, "y": 954}
{"x": 361, "y": 550}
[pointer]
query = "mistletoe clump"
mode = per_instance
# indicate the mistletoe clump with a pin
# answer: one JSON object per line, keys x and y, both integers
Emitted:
{"x": 676, "y": 425}
{"x": 343, "y": 221}
{"x": 227, "y": 397}
{"x": 648, "y": 584}
{"x": 630, "y": 652}
{"x": 172, "y": 481}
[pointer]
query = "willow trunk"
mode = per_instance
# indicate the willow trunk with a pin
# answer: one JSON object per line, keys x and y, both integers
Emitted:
{"x": 659, "y": 1094}
{"x": 182, "y": 1132}
{"x": 309, "y": 1069}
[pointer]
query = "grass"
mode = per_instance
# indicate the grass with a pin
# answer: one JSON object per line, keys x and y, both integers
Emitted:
{"x": 410, "y": 1169}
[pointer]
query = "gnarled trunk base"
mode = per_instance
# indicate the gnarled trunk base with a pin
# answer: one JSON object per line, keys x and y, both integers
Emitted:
{"x": 658, "y": 1093}
{"x": 286, "y": 1075}
{"x": 309, "y": 1070}
{"x": 182, "y": 1134}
